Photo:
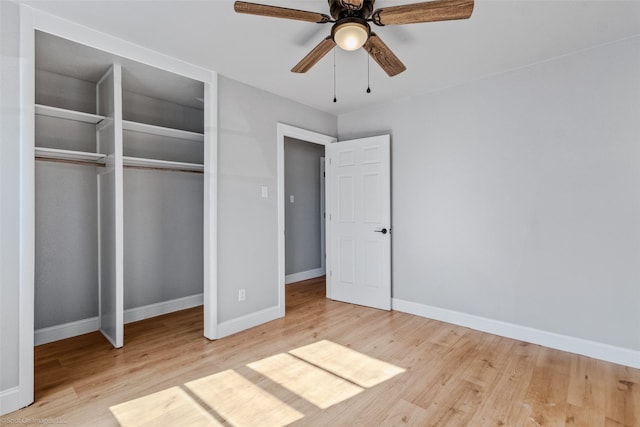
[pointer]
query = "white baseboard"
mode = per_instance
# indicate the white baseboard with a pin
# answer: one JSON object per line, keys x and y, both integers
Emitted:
{"x": 11, "y": 400}
{"x": 72, "y": 329}
{"x": 596, "y": 350}
{"x": 304, "y": 275}
{"x": 232, "y": 326}
{"x": 164, "y": 307}
{"x": 66, "y": 330}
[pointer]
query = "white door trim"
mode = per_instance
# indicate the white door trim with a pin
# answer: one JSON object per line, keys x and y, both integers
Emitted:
{"x": 323, "y": 209}
{"x": 303, "y": 135}
{"x": 210, "y": 228}
{"x": 23, "y": 394}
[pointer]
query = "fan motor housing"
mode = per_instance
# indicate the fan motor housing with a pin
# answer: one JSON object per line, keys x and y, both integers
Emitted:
{"x": 339, "y": 11}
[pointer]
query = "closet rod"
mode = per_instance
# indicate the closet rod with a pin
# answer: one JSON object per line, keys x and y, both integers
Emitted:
{"x": 73, "y": 162}
{"x": 101, "y": 165}
{"x": 162, "y": 169}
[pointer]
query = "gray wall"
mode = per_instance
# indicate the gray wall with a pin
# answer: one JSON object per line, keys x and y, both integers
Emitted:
{"x": 247, "y": 223}
{"x": 65, "y": 92}
{"x": 163, "y": 240}
{"x": 66, "y": 248}
{"x": 9, "y": 193}
{"x": 302, "y": 217}
{"x": 153, "y": 111}
{"x": 517, "y": 197}
{"x": 66, "y": 215}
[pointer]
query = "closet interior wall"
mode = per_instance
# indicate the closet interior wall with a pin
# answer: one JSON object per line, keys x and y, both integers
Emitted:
{"x": 66, "y": 246}
{"x": 163, "y": 210}
{"x": 161, "y": 126}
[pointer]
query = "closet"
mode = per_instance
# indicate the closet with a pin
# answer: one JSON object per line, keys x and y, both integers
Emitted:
{"x": 119, "y": 191}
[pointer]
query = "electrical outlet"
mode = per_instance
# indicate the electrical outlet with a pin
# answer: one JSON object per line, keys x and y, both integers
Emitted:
{"x": 242, "y": 295}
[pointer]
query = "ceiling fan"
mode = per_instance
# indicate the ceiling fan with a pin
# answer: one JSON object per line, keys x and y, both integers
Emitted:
{"x": 351, "y": 28}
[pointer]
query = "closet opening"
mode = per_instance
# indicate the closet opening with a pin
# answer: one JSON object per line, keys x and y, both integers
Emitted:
{"x": 119, "y": 191}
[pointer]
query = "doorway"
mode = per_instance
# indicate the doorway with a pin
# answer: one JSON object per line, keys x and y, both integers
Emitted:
{"x": 286, "y": 132}
{"x": 304, "y": 210}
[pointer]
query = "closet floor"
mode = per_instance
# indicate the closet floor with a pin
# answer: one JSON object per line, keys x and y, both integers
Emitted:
{"x": 390, "y": 368}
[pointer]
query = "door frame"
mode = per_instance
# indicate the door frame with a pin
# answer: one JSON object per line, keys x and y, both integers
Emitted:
{"x": 305, "y": 135}
{"x": 323, "y": 216}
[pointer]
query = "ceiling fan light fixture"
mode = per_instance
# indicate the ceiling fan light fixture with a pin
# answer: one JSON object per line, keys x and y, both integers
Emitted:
{"x": 351, "y": 29}
{"x": 350, "y": 35}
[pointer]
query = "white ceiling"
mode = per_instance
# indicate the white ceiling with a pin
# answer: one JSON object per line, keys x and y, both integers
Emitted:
{"x": 260, "y": 51}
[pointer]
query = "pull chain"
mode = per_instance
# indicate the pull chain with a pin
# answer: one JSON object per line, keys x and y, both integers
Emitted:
{"x": 368, "y": 68}
{"x": 334, "y": 75}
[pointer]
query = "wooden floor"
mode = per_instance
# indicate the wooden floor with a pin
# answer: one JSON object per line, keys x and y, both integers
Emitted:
{"x": 449, "y": 375}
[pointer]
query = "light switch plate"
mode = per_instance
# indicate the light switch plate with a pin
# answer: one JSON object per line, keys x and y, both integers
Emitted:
{"x": 265, "y": 191}
{"x": 292, "y": 198}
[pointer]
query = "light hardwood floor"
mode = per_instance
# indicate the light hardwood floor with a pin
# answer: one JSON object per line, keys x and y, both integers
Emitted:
{"x": 451, "y": 375}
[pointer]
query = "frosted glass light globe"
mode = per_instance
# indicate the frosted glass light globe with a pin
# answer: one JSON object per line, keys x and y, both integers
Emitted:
{"x": 351, "y": 36}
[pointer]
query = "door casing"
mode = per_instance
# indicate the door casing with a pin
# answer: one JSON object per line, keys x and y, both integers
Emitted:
{"x": 284, "y": 130}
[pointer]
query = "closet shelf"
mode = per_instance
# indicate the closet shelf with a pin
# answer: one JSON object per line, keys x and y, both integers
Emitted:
{"x": 61, "y": 113}
{"x": 55, "y": 153}
{"x": 162, "y": 131}
{"x": 162, "y": 164}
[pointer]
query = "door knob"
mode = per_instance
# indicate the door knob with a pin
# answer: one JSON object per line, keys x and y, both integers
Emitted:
{"x": 382, "y": 230}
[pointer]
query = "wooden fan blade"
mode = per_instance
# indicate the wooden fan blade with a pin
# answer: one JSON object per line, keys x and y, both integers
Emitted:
{"x": 314, "y": 56}
{"x": 280, "y": 12}
{"x": 381, "y": 53}
{"x": 439, "y": 10}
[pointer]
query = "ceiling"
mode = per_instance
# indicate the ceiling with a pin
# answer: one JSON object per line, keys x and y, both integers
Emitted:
{"x": 499, "y": 36}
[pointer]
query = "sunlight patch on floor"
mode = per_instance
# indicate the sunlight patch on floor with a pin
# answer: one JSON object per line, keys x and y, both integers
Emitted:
{"x": 323, "y": 373}
{"x": 347, "y": 363}
{"x": 241, "y": 402}
{"x": 168, "y": 407}
{"x": 307, "y": 381}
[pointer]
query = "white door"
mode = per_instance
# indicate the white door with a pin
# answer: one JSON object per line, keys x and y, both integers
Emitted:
{"x": 359, "y": 222}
